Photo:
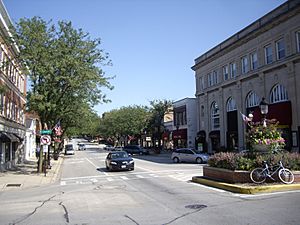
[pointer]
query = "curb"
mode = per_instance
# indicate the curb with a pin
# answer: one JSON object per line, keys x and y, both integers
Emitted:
{"x": 57, "y": 169}
{"x": 246, "y": 189}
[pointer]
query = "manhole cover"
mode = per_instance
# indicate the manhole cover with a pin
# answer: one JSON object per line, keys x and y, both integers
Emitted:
{"x": 13, "y": 185}
{"x": 196, "y": 206}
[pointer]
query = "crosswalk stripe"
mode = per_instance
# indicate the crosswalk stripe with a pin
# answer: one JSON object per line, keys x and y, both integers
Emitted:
{"x": 124, "y": 178}
{"x": 139, "y": 176}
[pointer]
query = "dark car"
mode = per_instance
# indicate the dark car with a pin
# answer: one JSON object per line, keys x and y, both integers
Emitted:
{"x": 119, "y": 160}
{"x": 135, "y": 149}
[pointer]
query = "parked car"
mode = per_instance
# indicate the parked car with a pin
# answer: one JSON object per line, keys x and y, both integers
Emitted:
{"x": 119, "y": 160}
{"x": 189, "y": 155}
{"x": 69, "y": 149}
{"x": 118, "y": 148}
{"x": 136, "y": 149}
{"x": 109, "y": 148}
{"x": 81, "y": 147}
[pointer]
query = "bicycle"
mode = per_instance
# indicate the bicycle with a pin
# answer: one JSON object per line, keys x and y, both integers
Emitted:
{"x": 259, "y": 175}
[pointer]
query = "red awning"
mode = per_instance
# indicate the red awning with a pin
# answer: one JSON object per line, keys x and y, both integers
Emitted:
{"x": 179, "y": 134}
{"x": 280, "y": 111}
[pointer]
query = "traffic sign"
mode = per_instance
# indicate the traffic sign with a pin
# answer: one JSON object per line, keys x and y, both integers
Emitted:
{"x": 45, "y": 131}
{"x": 45, "y": 140}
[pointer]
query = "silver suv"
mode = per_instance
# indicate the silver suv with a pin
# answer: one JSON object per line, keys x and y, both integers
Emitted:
{"x": 189, "y": 155}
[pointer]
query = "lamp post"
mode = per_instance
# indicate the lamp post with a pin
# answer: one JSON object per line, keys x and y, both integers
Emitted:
{"x": 264, "y": 108}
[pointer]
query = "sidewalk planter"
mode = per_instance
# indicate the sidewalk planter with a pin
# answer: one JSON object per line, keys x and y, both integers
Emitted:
{"x": 233, "y": 177}
{"x": 229, "y": 176}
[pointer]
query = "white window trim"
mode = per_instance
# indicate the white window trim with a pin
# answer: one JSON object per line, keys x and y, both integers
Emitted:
{"x": 298, "y": 40}
{"x": 279, "y": 50}
{"x": 266, "y": 55}
{"x": 252, "y": 100}
{"x": 278, "y": 94}
{"x": 215, "y": 116}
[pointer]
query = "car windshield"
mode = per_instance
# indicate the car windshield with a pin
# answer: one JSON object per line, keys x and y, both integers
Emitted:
{"x": 119, "y": 155}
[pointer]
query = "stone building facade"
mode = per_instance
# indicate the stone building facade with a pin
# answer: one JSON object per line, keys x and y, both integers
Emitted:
{"x": 260, "y": 61}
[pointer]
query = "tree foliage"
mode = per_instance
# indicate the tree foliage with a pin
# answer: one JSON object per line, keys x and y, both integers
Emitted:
{"x": 65, "y": 72}
{"x": 120, "y": 123}
{"x": 156, "y": 121}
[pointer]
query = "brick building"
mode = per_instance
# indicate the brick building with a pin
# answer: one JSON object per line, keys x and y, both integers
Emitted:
{"x": 12, "y": 98}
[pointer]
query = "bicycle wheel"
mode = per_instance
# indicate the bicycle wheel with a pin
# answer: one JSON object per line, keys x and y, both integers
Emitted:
{"x": 286, "y": 176}
{"x": 258, "y": 175}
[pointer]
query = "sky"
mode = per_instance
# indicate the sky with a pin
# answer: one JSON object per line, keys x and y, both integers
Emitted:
{"x": 152, "y": 43}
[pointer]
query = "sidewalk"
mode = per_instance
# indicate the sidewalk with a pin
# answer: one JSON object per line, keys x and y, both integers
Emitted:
{"x": 25, "y": 175}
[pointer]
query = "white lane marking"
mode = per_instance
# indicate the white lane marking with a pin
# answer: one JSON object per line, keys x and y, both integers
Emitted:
{"x": 142, "y": 168}
{"x": 139, "y": 176}
{"x": 95, "y": 166}
{"x": 63, "y": 183}
{"x": 91, "y": 162}
{"x": 110, "y": 179}
{"x": 94, "y": 180}
{"x": 124, "y": 178}
{"x": 153, "y": 175}
{"x": 264, "y": 194}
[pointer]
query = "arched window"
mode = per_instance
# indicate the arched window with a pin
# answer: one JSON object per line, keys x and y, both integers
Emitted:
{"x": 231, "y": 105}
{"x": 215, "y": 116}
{"x": 278, "y": 94}
{"x": 252, "y": 100}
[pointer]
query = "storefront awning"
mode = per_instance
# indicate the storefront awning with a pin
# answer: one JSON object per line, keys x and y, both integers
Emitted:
{"x": 179, "y": 134}
{"x": 8, "y": 137}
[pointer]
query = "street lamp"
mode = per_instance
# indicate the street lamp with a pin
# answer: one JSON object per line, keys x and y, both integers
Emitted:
{"x": 264, "y": 108}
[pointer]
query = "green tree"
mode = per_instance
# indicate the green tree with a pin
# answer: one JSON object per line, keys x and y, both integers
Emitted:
{"x": 120, "y": 123}
{"x": 65, "y": 70}
{"x": 156, "y": 121}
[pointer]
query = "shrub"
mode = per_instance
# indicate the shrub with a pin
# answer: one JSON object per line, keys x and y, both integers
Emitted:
{"x": 240, "y": 161}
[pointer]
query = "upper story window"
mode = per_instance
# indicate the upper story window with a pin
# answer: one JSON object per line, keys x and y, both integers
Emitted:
{"x": 225, "y": 72}
{"x": 215, "y": 116}
{"x": 231, "y": 105}
{"x": 180, "y": 118}
{"x": 252, "y": 100}
{"x": 202, "y": 110}
{"x": 278, "y": 94}
{"x": 209, "y": 80}
{"x": 215, "y": 77}
{"x": 254, "y": 61}
{"x": 245, "y": 66}
{"x": 268, "y": 54}
{"x": 232, "y": 70}
{"x": 280, "y": 49}
{"x": 298, "y": 40}
{"x": 1, "y": 103}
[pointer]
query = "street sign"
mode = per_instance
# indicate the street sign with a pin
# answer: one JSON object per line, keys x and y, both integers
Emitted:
{"x": 45, "y": 131}
{"x": 45, "y": 140}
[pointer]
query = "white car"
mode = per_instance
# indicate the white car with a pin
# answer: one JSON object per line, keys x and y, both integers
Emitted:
{"x": 69, "y": 149}
{"x": 189, "y": 155}
{"x": 81, "y": 147}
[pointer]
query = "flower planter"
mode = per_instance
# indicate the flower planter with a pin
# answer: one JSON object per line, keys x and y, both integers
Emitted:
{"x": 225, "y": 175}
{"x": 260, "y": 147}
{"x": 234, "y": 176}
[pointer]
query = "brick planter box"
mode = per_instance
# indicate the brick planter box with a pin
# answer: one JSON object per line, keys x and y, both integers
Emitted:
{"x": 230, "y": 176}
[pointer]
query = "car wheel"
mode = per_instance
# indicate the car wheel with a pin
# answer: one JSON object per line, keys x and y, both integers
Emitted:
{"x": 175, "y": 160}
{"x": 199, "y": 160}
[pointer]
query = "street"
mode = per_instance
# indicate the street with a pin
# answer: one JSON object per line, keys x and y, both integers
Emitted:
{"x": 157, "y": 192}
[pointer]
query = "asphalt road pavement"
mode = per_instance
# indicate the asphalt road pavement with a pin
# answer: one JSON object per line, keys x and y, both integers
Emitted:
{"x": 157, "y": 192}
